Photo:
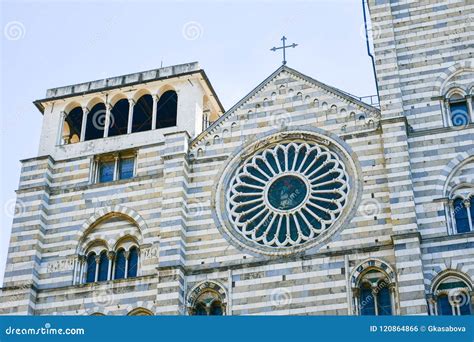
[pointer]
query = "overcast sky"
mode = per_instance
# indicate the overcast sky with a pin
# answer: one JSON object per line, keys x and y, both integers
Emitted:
{"x": 47, "y": 44}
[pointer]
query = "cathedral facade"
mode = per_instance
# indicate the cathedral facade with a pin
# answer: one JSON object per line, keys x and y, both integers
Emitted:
{"x": 148, "y": 198}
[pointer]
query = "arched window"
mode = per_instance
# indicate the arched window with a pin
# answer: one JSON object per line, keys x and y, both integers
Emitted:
{"x": 167, "y": 109}
{"x": 120, "y": 264}
{"x": 132, "y": 262}
{"x": 374, "y": 289}
{"x": 73, "y": 126}
{"x": 208, "y": 304}
{"x": 458, "y": 110}
{"x": 142, "y": 114}
{"x": 95, "y": 122}
{"x": 103, "y": 266}
{"x": 207, "y": 299}
{"x": 119, "y": 118}
{"x": 91, "y": 267}
{"x": 461, "y": 216}
{"x": 451, "y": 297}
{"x": 462, "y": 211}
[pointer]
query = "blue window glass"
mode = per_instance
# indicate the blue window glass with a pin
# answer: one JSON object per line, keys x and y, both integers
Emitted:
{"x": 103, "y": 266}
{"x": 465, "y": 308}
{"x": 384, "y": 302}
{"x": 132, "y": 263}
{"x": 444, "y": 306}
{"x": 120, "y": 265}
{"x": 90, "y": 276}
{"x": 367, "y": 301}
{"x": 287, "y": 192}
{"x": 216, "y": 309}
{"x": 200, "y": 310}
{"x": 126, "y": 168}
{"x": 460, "y": 216}
{"x": 106, "y": 171}
{"x": 459, "y": 113}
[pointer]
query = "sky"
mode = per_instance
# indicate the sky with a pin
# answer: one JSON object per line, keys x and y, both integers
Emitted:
{"x": 46, "y": 44}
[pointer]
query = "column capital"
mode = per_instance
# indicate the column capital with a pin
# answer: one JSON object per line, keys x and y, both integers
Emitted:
{"x": 85, "y": 110}
{"x": 62, "y": 114}
{"x": 97, "y": 258}
{"x": 131, "y": 101}
{"x": 111, "y": 255}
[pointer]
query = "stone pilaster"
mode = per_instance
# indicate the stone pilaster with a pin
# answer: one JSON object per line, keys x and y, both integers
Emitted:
{"x": 173, "y": 220}
{"x": 406, "y": 238}
{"x": 27, "y": 237}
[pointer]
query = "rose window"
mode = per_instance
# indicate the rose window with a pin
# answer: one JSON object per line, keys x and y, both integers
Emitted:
{"x": 288, "y": 194}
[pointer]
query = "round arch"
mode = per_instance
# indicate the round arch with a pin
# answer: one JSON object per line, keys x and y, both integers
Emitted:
{"x": 107, "y": 212}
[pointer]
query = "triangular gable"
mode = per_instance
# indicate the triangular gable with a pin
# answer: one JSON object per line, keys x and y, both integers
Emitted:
{"x": 332, "y": 90}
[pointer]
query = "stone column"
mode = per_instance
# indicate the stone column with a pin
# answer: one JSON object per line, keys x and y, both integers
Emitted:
{"x": 108, "y": 110}
{"x": 131, "y": 104}
{"x": 447, "y": 112}
{"x": 467, "y": 204}
{"x": 82, "y": 263}
{"x": 127, "y": 254}
{"x": 375, "y": 292}
{"x": 62, "y": 117}
{"x": 110, "y": 256}
{"x": 471, "y": 304}
{"x": 431, "y": 304}
{"x": 97, "y": 262}
{"x": 116, "y": 167}
{"x": 356, "y": 294}
{"x": 154, "y": 112}
{"x": 393, "y": 297}
{"x": 85, "y": 112}
{"x": 469, "y": 107}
